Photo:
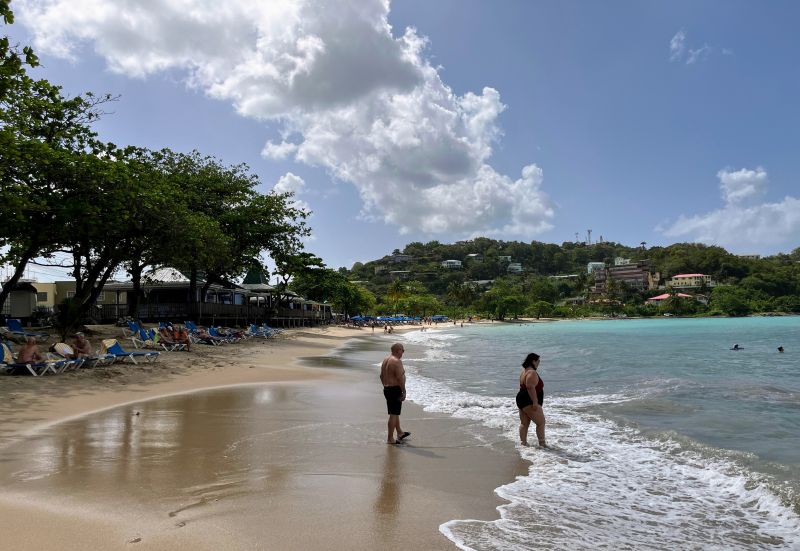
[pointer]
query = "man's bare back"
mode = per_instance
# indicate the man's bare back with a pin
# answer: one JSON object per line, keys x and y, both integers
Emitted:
{"x": 392, "y": 372}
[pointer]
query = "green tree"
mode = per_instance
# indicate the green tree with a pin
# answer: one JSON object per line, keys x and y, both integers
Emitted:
{"x": 730, "y": 300}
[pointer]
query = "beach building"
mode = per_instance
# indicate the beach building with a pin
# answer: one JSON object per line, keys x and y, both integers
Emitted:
{"x": 665, "y": 296}
{"x": 690, "y": 281}
{"x": 514, "y": 268}
{"x": 474, "y": 257}
{"x": 620, "y": 261}
{"x": 451, "y": 264}
{"x": 402, "y": 275}
{"x": 592, "y": 266}
{"x": 21, "y": 301}
{"x": 639, "y": 276}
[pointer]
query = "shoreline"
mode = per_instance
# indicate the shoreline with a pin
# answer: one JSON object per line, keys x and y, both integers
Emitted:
{"x": 419, "y": 485}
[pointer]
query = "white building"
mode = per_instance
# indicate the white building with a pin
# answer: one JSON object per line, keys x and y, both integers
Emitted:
{"x": 451, "y": 264}
{"x": 514, "y": 268}
{"x": 619, "y": 261}
{"x": 592, "y": 266}
{"x": 690, "y": 281}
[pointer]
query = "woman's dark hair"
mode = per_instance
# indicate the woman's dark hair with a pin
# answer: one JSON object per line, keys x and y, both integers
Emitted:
{"x": 529, "y": 359}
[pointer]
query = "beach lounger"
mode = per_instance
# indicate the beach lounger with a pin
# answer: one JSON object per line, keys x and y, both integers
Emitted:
{"x": 167, "y": 344}
{"x": 66, "y": 351}
{"x": 215, "y": 332}
{"x": 111, "y": 346}
{"x": 15, "y": 327}
{"x": 37, "y": 369}
{"x": 132, "y": 330}
{"x": 254, "y": 331}
{"x": 271, "y": 331}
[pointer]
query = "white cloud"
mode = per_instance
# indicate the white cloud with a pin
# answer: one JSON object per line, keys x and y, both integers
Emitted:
{"x": 698, "y": 55}
{"x": 742, "y": 184}
{"x": 738, "y": 226}
{"x": 680, "y": 51}
{"x": 291, "y": 183}
{"x": 358, "y": 101}
{"x": 677, "y": 45}
{"x": 279, "y": 151}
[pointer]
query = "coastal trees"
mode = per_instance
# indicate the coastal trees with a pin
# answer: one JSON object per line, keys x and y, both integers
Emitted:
{"x": 730, "y": 300}
{"x": 42, "y": 135}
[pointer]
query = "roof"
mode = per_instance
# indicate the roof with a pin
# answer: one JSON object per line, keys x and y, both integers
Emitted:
{"x": 164, "y": 275}
{"x": 667, "y": 295}
{"x": 689, "y": 275}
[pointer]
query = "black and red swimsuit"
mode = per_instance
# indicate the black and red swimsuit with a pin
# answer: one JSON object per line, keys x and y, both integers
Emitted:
{"x": 524, "y": 398}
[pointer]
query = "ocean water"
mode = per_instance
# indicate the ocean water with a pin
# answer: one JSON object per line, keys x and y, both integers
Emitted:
{"x": 663, "y": 437}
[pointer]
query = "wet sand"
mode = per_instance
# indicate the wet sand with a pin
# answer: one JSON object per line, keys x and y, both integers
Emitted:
{"x": 295, "y": 458}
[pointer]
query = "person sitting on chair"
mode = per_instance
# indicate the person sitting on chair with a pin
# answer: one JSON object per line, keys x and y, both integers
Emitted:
{"x": 82, "y": 346}
{"x": 29, "y": 353}
{"x": 180, "y": 336}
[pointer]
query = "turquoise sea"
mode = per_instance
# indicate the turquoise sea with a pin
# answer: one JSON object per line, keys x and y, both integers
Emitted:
{"x": 663, "y": 437}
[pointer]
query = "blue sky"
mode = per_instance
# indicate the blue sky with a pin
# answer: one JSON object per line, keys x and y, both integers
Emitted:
{"x": 642, "y": 120}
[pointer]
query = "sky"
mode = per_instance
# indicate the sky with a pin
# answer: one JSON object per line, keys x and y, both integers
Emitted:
{"x": 414, "y": 120}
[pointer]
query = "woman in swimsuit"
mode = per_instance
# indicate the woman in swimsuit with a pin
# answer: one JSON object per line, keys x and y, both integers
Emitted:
{"x": 529, "y": 400}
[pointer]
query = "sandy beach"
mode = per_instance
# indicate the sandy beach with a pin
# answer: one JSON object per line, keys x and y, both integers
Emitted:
{"x": 235, "y": 447}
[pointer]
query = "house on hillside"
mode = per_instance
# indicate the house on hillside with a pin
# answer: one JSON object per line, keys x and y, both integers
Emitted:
{"x": 400, "y": 258}
{"x": 639, "y": 276}
{"x": 451, "y": 264}
{"x": 690, "y": 281}
{"x": 514, "y": 268}
{"x": 592, "y": 266}
{"x": 474, "y": 257}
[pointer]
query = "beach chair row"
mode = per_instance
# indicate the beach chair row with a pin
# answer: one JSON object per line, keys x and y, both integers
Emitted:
{"x": 171, "y": 337}
{"x": 14, "y": 326}
{"x": 63, "y": 359}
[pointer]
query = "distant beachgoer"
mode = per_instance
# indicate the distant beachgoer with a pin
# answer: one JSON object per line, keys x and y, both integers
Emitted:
{"x": 181, "y": 336}
{"x": 393, "y": 377}
{"x": 82, "y": 346}
{"x": 530, "y": 399}
{"x": 780, "y": 349}
{"x": 29, "y": 352}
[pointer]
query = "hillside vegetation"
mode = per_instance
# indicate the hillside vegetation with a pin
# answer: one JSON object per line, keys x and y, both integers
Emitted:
{"x": 413, "y": 280}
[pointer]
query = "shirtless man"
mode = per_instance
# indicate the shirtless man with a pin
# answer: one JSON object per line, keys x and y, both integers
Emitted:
{"x": 393, "y": 377}
{"x": 29, "y": 353}
{"x": 82, "y": 347}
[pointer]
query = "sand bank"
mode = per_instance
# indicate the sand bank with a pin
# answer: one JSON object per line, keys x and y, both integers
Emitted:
{"x": 295, "y": 459}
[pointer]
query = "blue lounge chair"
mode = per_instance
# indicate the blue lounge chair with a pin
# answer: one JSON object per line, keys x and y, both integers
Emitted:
{"x": 132, "y": 329}
{"x": 254, "y": 331}
{"x": 111, "y": 346}
{"x": 15, "y": 326}
{"x": 10, "y": 365}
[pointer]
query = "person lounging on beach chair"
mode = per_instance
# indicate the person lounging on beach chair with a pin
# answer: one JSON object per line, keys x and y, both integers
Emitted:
{"x": 111, "y": 346}
{"x": 13, "y": 366}
{"x": 66, "y": 352}
{"x": 167, "y": 340}
{"x": 147, "y": 338}
{"x": 15, "y": 327}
